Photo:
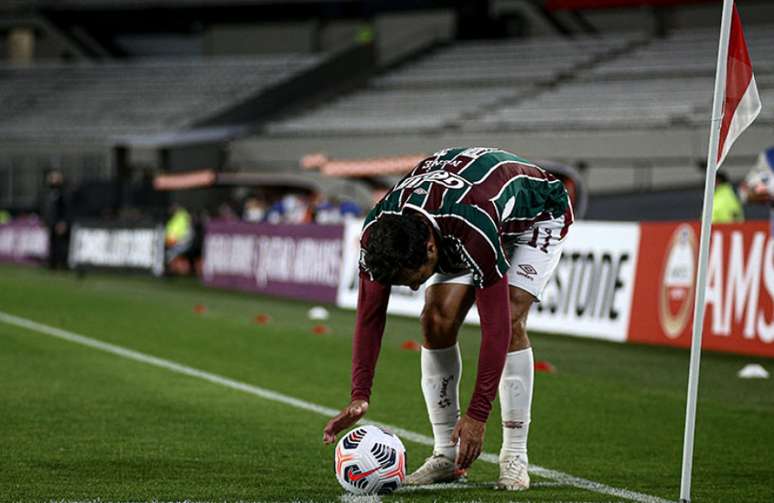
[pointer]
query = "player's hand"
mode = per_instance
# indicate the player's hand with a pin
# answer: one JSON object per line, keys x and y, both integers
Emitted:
{"x": 350, "y": 415}
{"x": 470, "y": 434}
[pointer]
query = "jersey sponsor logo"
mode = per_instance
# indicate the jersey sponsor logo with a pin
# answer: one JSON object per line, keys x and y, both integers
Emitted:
{"x": 443, "y": 178}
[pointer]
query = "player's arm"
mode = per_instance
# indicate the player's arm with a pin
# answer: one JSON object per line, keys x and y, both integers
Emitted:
{"x": 494, "y": 311}
{"x": 369, "y": 328}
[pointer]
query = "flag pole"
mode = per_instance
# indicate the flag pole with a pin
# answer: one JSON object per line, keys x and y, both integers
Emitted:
{"x": 701, "y": 275}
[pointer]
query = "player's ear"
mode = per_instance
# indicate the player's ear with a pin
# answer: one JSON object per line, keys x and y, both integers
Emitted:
{"x": 432, "y": 250}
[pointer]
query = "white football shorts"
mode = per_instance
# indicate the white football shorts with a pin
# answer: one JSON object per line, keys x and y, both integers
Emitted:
{"x": 533, "y": 257}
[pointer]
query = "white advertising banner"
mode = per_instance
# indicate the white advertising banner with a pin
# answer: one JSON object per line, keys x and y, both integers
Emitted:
{"x": 590, "y": 293}
{"x": 117, "y": 247}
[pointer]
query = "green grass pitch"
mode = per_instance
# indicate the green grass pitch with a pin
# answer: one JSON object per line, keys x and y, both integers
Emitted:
{"x": 79, "y": 424}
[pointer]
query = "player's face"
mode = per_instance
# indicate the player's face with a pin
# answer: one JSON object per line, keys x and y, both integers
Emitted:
{"x": 413, "y": 278}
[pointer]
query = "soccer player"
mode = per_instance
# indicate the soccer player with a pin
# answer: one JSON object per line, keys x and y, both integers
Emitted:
{"x": 484, "y": 226}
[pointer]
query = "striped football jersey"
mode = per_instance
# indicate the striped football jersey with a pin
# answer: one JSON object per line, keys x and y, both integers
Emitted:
{"x": 478, "y": 200}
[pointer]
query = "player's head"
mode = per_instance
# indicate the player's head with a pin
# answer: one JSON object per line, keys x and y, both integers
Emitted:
{"x": 401, "y": 250}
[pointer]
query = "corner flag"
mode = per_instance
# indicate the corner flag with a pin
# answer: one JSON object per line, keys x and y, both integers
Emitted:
{"x": 742, "y": 103}
{"x": 734, "y": 106}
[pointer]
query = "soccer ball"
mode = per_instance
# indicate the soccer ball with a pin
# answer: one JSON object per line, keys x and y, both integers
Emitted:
{"x": 370, "y": 460}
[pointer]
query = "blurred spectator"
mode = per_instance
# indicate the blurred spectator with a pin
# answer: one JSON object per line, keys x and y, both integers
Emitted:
{"x": 179, "y": 234}
{"x": 145, "y": 196}
{"x": 365, "y": 33}
{"x": 5, "y": 217}
{"x": 758, "y": 184}
{"x": 331, "y": 211}
{"x": 254, "y": 209}
{"x": 291, "y": 209}
{"x": 350, "y": 209}
{"x": 194, "y": 253}
{"x": 726, "y": 208}
{"x": 327, "y": 211}
{"x": 55, "y": 210}
{"x": 226, "y": 212}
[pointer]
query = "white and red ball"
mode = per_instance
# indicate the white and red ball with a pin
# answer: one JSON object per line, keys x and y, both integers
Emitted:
{"x": 370, "y": 460}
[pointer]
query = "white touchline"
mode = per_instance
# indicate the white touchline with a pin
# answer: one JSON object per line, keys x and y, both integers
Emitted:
{"x": 557, "y": 476}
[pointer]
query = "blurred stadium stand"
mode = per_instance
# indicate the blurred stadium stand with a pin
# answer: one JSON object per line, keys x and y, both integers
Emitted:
{"x": 72, "y": 102}
{"x": 106, "y": 89}
{"x": 444, "y": 87}
{"x": 551, "y": 84}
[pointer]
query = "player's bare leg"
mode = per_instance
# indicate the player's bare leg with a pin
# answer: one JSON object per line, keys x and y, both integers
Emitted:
{"x": 445, "y": 308}
{"x": 516, "y": 397}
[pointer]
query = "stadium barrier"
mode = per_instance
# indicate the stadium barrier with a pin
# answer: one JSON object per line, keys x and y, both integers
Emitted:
{"x": 117, "y": 246}
{"x": 23, "y": 242}
{"x": 633, "y": 282}
{"x": 295, "y": 261}
{"x": 622, "y": 282}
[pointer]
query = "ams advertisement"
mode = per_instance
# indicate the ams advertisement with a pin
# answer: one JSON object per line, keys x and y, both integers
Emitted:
{"x": 739, "y": 315}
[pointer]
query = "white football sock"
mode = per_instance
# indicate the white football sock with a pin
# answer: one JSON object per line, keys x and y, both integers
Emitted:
{"x": 516, "y": 402}
{"x": 441, "y": 372}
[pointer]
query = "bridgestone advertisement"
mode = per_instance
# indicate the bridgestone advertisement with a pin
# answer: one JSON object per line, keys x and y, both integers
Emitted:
{"x": 591, "y": 291}
{"x": 23, "y": 242}
{"x": 295, "y": 261}
{"x": 137, "y": 247}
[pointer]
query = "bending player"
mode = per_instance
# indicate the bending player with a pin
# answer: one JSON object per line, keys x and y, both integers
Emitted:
{"x": 484, "y": 226}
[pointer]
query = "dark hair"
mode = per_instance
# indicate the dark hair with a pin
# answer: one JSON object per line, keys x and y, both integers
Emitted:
{"x": 395, "y": 242}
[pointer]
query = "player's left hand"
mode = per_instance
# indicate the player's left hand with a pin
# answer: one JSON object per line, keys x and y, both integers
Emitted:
{"x": 470, "y": 434}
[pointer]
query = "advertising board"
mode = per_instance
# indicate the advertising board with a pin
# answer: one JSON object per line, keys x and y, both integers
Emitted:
{"x": 117, "y": 246}
{"x": 295, "y": 261}
{"x": 739, "y": 314}
{"x": 23, "y": 241}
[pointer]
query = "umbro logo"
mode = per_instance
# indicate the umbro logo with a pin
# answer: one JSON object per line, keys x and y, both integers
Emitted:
{"x": 528, "y": 269}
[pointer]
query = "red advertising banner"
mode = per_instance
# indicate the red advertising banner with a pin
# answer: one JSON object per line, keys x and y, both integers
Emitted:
{"x": 739, "y": 315}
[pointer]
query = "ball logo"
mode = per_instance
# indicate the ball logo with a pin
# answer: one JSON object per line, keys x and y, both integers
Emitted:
{"x": 677, "y": 281}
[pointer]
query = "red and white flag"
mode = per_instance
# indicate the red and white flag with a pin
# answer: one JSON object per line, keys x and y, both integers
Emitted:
{"x": 741, "y": 104}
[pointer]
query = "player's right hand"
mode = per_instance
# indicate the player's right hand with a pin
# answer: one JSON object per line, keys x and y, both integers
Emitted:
{"x": 350, "y": 415}
{"x": 470, "y": 434}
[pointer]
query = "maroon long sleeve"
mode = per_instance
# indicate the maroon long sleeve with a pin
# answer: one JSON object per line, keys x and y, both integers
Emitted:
{"x": 372, "y": 299}
{"x": 494, "y": 310}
